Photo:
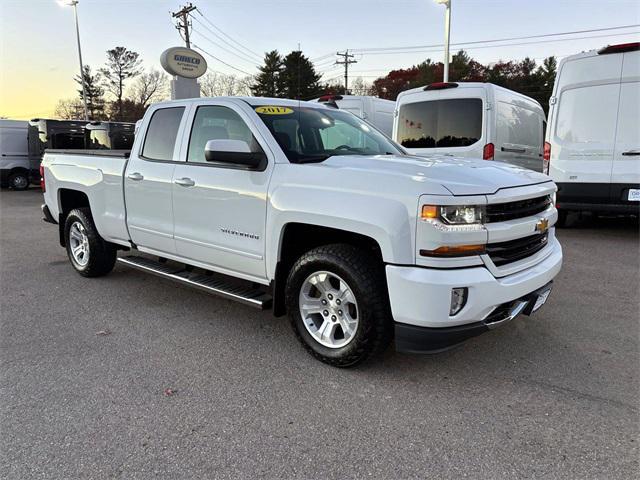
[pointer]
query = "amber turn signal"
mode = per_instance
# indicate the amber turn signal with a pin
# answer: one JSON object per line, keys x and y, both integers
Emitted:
{"x": 456, "y": 251}
{"x": 429, "y": 212}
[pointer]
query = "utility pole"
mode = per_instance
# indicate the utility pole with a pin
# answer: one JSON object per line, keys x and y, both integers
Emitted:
{"x": 183, "y": 24}
{"x": 346, "y": 62}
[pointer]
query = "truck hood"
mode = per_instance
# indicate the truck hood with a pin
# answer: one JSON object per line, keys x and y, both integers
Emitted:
{"x": 460, "y": 176}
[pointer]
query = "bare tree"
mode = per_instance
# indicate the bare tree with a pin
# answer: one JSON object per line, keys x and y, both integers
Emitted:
{"x": 216, "y": 84}
{"x": 69, "y": 109}
{"x": 360, "y": 87}
{"x": 149, "y": 87}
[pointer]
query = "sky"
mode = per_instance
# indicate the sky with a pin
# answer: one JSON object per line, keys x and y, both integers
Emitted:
{"x": 39, "y": 58}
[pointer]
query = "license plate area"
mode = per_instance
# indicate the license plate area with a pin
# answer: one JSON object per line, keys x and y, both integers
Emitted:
{"x": 537, "y": 299}
{"x": 634, "y": 195}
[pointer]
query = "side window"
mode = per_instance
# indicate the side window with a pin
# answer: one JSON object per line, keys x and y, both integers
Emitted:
{"x": 518, "y": 126}
{"x": 160, "y": 140}
{"x": 588, "y": 114}
{"x": 213, "y": 122}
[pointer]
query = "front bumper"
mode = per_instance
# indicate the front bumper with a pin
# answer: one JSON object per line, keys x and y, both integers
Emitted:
{"x": 420, "y": 298}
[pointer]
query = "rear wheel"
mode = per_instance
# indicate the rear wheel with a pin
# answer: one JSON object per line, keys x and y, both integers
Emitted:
{"x": 89, "y": 254}
{"x": 338, "y": 304}
{"x": 19, "y": 181}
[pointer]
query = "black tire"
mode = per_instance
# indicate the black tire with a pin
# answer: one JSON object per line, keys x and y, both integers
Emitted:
{"x": 562, "y": 218}
{"x": 102, "y": 254}
{"x": 364, "y": 274}
{"x": 19, "y": 180}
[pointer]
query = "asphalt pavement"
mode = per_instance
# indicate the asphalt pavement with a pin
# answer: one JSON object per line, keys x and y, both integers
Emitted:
{"x": 85, "y": 365}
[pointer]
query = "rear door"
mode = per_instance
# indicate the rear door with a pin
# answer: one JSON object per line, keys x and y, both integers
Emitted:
{"x": 583, "y": 127}
{"x": 519, "y": 136}
{"x": 450, "y": 122}
{"x": 625, "y": 171}
{"x": 148, "y": 181}
{"x": 353, "y": 105}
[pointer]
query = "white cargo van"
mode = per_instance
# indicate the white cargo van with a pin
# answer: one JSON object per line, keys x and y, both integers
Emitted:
{"x": 471, "y": 119}
{"x": 15, "y": 167}
{"x": 377, "y": 111}
{"x": 593, "y": 140}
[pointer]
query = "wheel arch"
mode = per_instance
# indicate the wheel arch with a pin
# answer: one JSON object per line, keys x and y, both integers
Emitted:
{"x": 69, "y": 199}
{"x": 298, "y": 238}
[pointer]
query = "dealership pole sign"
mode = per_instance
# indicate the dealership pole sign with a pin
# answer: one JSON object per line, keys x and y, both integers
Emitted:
{"x": 185, "y": 65}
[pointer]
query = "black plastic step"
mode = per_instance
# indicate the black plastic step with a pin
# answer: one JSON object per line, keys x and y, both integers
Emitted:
{"x": 208, "y": 283}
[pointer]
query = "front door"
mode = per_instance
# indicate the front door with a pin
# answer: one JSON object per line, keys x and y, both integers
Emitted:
{"x": 148, "y": 183}
{"x": 220, "y": 209}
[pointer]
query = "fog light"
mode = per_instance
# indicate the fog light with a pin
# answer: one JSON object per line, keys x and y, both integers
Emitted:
{"x": 458, "y": 300}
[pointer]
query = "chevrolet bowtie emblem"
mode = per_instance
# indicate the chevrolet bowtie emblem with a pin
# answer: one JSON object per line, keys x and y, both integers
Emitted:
{"x": 542, "y": 225}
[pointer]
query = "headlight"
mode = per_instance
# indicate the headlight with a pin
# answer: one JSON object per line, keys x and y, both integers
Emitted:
{"x": 454, "y": 214}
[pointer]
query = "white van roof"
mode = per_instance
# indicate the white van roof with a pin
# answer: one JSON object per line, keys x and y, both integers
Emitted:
{"x": 605, "y": 58}
{"x": 434, "y": 88}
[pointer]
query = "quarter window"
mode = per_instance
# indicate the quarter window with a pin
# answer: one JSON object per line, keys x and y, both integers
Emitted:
{"x": 162, "y": 133}
{"x": 440, "y": 123}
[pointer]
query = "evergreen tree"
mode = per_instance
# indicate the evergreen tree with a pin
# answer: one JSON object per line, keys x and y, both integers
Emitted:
{"x": 121, "y": 65}
{"x": 299, "y": 78}
{"x": 268, "y": 83}
{"x": 95, "y": 93}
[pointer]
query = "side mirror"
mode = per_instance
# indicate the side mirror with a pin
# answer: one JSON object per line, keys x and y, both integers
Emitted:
{"x": 236, "y": 152}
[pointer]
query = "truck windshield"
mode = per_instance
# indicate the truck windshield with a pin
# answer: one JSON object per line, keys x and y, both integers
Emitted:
{"x": 315, "y": 134}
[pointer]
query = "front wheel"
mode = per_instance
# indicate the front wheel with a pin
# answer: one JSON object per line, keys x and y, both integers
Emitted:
{"x": 338, "y": 304}
{"x": 90, "y": 255}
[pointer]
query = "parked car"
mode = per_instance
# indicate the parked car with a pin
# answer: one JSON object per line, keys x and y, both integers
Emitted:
{"x": 593, "y": 140}
{"x": 377, "y": 111}
{"x": 256, "y": 200}
{"x": 470, "y": 119}
{"x": 16, "y": 169}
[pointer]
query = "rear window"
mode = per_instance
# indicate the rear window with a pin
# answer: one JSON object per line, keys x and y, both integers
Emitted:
{"x": 440, "y": 123}
{"x": 161, "y": 134}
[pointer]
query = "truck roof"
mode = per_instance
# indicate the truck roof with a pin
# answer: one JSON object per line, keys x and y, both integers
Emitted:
{"x": 253, "y": 101}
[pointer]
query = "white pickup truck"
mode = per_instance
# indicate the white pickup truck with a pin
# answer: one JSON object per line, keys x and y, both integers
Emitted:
{"x": 311, "y": 211}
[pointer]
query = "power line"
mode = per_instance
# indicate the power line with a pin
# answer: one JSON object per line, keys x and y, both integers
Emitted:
{"x": 238, "y": 53}
{"x": 507, "y": 44}
{"x": 230, "y": 38}
{"x": 221, "y": 61}
{"x": 225, "y": 49}
{"x": 497, "y": 39}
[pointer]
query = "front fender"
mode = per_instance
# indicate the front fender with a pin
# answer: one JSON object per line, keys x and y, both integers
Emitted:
{"x": 390, "y": 222}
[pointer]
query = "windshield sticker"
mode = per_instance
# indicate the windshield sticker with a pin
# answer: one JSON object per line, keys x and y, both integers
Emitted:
{"x": 273, "y": 110}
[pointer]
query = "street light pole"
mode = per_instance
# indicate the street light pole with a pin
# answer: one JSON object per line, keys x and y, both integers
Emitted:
{"x": 74, "y": 4}
{"x": 447, "y": 32}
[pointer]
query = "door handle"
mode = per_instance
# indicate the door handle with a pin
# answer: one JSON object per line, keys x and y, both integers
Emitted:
{"x": 184, "y": 182}
{"x": 135, "y": 176}
{"x": 513, "y": 150}
{"x": 631, "y": 153}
